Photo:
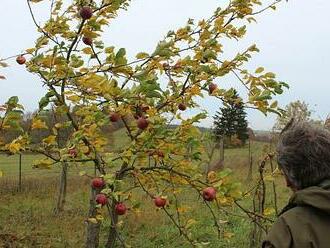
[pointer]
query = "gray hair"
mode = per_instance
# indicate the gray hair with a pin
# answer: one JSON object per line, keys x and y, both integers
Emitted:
{"x": 303, "y": 154}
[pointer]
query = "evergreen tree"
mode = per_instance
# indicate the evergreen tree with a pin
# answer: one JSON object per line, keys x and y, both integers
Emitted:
{"x": 231, "y": 120}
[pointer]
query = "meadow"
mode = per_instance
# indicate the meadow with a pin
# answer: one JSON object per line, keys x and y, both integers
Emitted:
{"x": 27, "y": 218}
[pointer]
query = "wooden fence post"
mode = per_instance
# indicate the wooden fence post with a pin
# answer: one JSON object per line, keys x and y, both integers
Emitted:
{"x": 20, "y": 173}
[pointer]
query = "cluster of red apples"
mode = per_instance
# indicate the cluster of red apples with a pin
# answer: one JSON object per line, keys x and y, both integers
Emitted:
{"x": 208, "y": 194}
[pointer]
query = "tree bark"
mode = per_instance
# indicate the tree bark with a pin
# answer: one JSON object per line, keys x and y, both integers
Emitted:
{"x": 112, "y": 236}
{"x": 222, "y": 151}
{"x": 63, "y": 188}
{"x": 93, "y": 229}
{"x": 113, "y": 233}
{"x": 249, "y": 177}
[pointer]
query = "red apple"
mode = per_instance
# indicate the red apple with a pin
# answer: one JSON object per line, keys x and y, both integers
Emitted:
{"x": 212, "y": 88}
{"x": 86, "y": 12}
{"x": 160, "y": 201}
{"x": 182, "y": 107}
{"x": 20, "y": 60}
{"x": 120, "y": 208}
{"x": 73, "y": 152}
{"x": 87, "y": 41}
{"x": 142, "y": 123}
{"x": 101, "y": 199}
{"x": 114, "y": 117}
{"x": 98, "y": 183}
{"x": 209, "y": 194}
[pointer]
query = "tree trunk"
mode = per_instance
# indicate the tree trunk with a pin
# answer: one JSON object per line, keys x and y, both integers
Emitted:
{"x": 249, "y": 177}
{"x": 222, "y": 150}
{"x": 63, "y": 186}
{"x": 112, "y": 237}
{"x": 113, "y": 233}
{"x": 93, "y": 229}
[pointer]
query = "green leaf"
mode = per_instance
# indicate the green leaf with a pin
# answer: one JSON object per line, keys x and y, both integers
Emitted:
{"x": 121, "y": 53}
{"x": 13, "y": 101}
{"x": 259, "y": 70}
{"x": 163, "y": 49}
{"x": 44, "y": 101}
{"x": 274, "y": 104}
{"x": 120, "y": 57}
{"x": 142, "y": 55}
{"x": 285, "y": 85}
{"x": 50, "y": 93}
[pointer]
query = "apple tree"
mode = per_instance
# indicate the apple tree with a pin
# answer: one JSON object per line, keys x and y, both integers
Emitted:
{"x": 95, "y": 84}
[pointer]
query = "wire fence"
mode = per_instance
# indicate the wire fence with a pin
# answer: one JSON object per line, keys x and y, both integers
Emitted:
{"x": 19, "y": 175}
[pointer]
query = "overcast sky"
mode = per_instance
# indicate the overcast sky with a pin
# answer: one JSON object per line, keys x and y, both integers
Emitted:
{"x": 294, "y": 43}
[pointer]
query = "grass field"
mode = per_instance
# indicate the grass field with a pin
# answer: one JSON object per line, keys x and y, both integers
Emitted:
{"x": 27, "y": 219}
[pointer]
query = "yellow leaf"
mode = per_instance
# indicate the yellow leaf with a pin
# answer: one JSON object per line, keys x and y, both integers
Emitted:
{"x": 259, "y": 70}
{"x": 195, "y": 90}
{"x": 120, "y": 223}
{"x": 222, "y": 200}
{"x": 212, "y": 176}
{"x": 82, "y": 173}
{"x": 269, "y": 211}
{"x": 277, "y": 172}
{"x": 152, "y": 112}
{"x": 218, "y": 184}
{"x": 269, "y": 178}
{"x": 87, "y": 50}
{"x": 228, "y": 235}
{"x": 183, "y": 209}
{"x": 236, "y": 193}
{"x": 38, "y": 124}
{"x": 58, "y": 125}
{"x": 222, "y": 222}
{"x": 30, "y": 50}
{"x": 190, "y": 223}
{"x": 92, "y": 220}
{"x": 73, "y": 98}
{"x": 270, "y": 75}
{"x": 142, "y": 55}
{"x": 99, "y": 217}
{"x": 49, "y": 140}
{"x": 14, "y": 147}
{"x": 1, "y": 173}
{"x": 42, "y": 164}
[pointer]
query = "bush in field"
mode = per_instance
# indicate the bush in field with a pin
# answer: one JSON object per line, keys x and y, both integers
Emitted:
{"x": 94, "y": 85}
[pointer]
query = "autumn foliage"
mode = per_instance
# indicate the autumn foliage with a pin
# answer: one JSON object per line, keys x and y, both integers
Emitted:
{"x": 95, "y": 84}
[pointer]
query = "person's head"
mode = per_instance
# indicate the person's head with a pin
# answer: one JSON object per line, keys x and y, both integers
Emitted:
{"x": 303, "y": 154}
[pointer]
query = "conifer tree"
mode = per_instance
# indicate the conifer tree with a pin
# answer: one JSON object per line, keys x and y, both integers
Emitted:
{"x": 231, "y": 120}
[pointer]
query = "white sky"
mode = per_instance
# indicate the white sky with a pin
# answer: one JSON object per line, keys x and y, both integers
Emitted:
{"x": 294, "y": 43}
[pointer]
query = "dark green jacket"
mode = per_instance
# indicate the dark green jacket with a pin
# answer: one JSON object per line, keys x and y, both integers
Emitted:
{"x": 304, "y": 222}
